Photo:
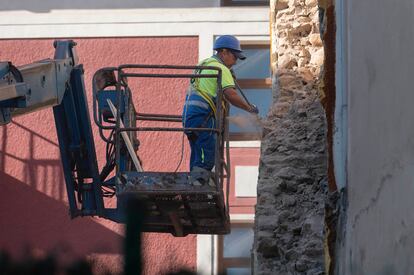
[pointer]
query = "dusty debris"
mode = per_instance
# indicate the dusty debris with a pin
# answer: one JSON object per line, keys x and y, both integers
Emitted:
{"x": 292, "y": 187}
{"x": 248, "y": 121}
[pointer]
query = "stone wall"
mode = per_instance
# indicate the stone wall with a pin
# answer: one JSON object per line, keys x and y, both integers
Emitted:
{"x": 292, "y": 184}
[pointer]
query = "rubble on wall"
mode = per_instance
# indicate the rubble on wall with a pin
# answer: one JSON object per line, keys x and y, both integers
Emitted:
{"x": 292, "y": 183}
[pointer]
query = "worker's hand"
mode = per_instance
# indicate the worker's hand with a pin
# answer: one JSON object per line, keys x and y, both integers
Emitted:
{"x": 253, "y": 109}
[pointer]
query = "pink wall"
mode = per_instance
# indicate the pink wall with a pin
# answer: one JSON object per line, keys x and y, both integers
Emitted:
{"x": 33, "y": 200}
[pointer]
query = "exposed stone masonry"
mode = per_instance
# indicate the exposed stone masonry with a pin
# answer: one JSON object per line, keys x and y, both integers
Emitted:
{"x": 289, "y": 226}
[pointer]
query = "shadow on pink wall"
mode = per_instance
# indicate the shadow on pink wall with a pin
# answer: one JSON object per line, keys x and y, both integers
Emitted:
{"x": 33, "y": 212}
{"x": 34, "y": 168}
{"x": 44, "y": 223}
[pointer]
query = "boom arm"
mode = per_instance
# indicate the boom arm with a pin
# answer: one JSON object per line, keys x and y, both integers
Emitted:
{"x": 58, "y": 83}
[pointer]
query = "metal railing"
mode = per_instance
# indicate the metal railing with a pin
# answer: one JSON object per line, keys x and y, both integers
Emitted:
{"x": 222, "y": 163}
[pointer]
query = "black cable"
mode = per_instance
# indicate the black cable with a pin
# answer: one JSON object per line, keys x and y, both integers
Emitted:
{"x": 182, "y": 154}
{"x": 110, "y": 158}
{"x": 15, "y": 72}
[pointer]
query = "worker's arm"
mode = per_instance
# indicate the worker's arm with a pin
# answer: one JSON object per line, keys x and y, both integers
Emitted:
{"x": 233, "y": 97}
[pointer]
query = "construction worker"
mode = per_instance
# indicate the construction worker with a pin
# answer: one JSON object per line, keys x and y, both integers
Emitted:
{"x": 199, "y": 109}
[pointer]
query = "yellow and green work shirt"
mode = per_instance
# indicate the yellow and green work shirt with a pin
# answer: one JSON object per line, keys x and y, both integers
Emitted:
{"x": 209, "y": 85}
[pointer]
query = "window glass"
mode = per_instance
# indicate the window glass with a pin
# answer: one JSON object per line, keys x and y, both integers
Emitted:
{"x": 256, "y": 65}
{"x": 240, "y": 120}
{"x": 238, "y": 243}
{"x": 238, "y": 271}
{"x": 235, "y": 250}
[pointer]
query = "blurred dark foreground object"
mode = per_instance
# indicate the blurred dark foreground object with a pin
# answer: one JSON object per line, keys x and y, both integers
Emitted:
{"x": 47, "y": 265}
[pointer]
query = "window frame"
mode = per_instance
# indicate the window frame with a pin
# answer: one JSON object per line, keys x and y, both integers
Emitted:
{"x": 251, "y": 83}
{"x": 235, "y": 3}
{"x": 242, "y": 157}
{"x": 236, "y": 262}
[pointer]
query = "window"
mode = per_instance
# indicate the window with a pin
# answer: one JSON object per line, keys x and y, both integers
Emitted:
{"x": 245, "y": 2}
{"x": 253, "y": 76}
{"x": 235, "y": 250}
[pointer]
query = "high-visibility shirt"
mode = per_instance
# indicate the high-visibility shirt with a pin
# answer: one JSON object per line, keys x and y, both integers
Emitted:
{"x": 209, "y": 85}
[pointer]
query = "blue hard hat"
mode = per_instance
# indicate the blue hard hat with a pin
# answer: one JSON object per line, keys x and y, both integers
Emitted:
{"x": 229, "y": 42}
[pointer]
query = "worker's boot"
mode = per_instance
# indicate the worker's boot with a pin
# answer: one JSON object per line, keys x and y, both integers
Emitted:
{"x": 195, "y": 182}
{"x": 200, "y": 176}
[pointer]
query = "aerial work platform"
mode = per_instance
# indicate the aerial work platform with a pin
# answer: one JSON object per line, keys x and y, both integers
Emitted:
{"x": 171, "y": 203}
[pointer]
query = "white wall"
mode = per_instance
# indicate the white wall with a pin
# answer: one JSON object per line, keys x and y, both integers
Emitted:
{"x": 45, "y": 19}
{"x": 47, "y": 5}
{"x": 379, "y": 230}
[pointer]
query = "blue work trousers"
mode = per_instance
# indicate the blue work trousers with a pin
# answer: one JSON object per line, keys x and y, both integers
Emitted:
{"x": 198, "y": 114}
